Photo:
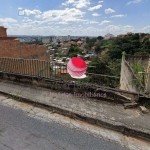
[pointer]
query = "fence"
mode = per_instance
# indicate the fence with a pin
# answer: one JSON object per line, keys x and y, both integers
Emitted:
{"x": 46, "y": 69}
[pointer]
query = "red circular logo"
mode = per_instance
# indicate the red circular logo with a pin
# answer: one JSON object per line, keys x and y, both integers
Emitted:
{"x": 76, "y": 67}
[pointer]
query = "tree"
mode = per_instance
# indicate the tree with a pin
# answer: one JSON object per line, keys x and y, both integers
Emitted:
{"x": 86, "y": 46}
{"x": 92, "y": 42}
{"x": 58, "y": 45}
{"x": 74, "y": 50}
{"x": 126, "y": 47}
{"x": 115, "y": 53}
{"x": 100, "y": 67}
{"x": 98, "y": 49}
{"x": 100, "y": 38}
{"x": 87, "y": 40}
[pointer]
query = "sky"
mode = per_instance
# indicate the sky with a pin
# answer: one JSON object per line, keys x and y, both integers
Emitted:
{"x": 75, "y": 17}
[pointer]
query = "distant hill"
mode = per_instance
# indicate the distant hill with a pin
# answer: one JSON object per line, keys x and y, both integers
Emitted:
{"x": 133, "y": 43}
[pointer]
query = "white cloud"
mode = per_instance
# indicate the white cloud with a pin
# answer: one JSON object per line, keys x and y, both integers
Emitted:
{"x": 109, "y": 11}
{"x": 64, "y": 4}
{"x": 77, "y": 3}
{"x": 95, "y": 7}
{"x": 104, "y": 22}
{"x": 128, "y": 28}
{"x": 68, "y": 21}
{"x": 32, "y": 22}
{"x": 100, "y": 1}
{"x": 26, "y": 20}
{"x": 20, "y": 8}
{"x": 95, "y": 14}
{"x": 92, "y": 22}
{"x": 146, "y": 29}
{"x": 62, "y": 23}
{"x": 66, "y": 15}
{"x": 118, "y": 16}
{"x": 38, "y": 16}
{"x": 32, "y": 12}
{"x": 7, "y": 20}
{"x": 113, "y": 28}
{"x": 134, "y": 2}
{"x": 82, "y": 3}
{"x": 29, "y": 29}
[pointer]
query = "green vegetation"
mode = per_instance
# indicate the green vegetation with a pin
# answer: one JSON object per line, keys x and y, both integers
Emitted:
{"x": 100, "y": 38}
{"x": 110, "y": 62}
{"x": 139, "y": 71}
{"x": 74, "y": 51}
{"x": 90, "y": 42}
{"x": 16, "y": 96}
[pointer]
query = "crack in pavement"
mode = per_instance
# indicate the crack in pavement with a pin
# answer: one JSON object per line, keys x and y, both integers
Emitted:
{"x": 6, "y": 146}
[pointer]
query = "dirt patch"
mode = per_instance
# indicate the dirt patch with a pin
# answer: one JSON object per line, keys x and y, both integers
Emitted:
{"x": 104, "y": 51}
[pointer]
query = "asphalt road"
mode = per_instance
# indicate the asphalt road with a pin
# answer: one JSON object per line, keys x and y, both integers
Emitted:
{"x": 21, "y": 132}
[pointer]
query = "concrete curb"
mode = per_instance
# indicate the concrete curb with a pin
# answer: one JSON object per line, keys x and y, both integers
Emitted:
{"x": 117, "y": 126}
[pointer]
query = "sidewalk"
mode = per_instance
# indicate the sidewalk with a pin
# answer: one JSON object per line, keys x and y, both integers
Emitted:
{"x": 129, "y": 122}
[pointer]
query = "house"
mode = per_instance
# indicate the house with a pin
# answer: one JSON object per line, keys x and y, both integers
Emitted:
{"x": 62, "y": 71}
{"x": 121, "y": 36}
{"x": 73, "y": 43}
{"x": 66, "y": 45}
{"x": 109, "y": 36}
{"x": 79, "y": 43}
{"x": 129, "y": 33}
{"x": 93, "y": 48}
{"x": 45, "y": 40}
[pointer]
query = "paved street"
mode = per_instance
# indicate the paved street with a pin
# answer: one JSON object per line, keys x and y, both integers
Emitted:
{"x": 21, "y": 132}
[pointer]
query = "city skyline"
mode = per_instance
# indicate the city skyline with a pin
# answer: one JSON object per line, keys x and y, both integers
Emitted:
{"x": 75, "y": 17}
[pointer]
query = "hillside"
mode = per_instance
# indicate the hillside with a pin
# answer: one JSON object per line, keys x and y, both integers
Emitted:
{"x": 109, "y": 52}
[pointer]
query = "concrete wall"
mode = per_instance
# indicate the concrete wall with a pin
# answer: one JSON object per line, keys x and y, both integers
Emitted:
{"x": 145, "y": 62}
{"x": 128, "y": 80}
{"x": 148, "y": 84}
{"x": 134, "y": 59}
{"x": 112, "y": 95}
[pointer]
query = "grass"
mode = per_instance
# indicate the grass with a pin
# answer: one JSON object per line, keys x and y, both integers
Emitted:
{"x": 16, "y": 96}
{"x": 139, "y": 71}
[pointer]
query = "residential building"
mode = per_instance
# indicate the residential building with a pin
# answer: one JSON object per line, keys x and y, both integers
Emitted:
{"x": 109, "y": 36}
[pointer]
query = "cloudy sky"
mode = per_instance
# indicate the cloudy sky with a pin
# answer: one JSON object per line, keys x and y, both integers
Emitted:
{"x": 75, "y": 17}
